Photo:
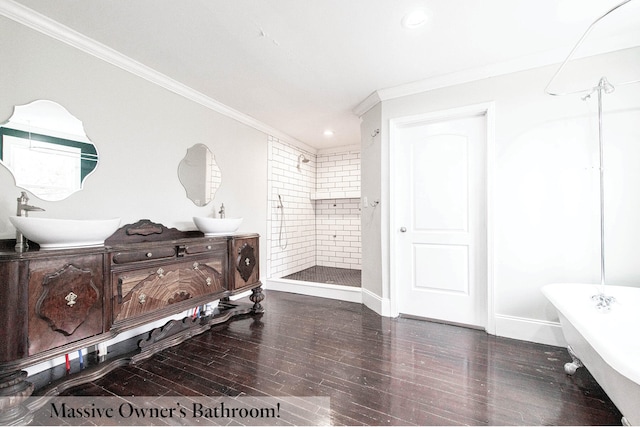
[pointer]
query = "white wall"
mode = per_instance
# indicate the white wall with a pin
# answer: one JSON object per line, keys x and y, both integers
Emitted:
{"x": 141, "y": 132}
{"x": 375, "y": 279}
{"x": 545, "y": 189}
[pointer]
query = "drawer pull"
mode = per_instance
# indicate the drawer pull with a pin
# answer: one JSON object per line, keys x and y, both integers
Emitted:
{"x": 142, "y": 298}
{"x": 160, "y": 272}
{"x": 147, "y": 254}
{"x": 209, "y": 281}
{"x": 71, "y": 299}
{"x": 247, "y": 261}
{"x": 195, "y": 265}
{"x": 208, "y": 247}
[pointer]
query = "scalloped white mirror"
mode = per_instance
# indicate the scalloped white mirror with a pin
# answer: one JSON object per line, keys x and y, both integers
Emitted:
{"x": 199, "y": 174}
{"x": 46, "y": 150}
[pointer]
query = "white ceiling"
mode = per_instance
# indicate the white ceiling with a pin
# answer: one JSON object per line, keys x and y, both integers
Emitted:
{"x": 303, "y": 66}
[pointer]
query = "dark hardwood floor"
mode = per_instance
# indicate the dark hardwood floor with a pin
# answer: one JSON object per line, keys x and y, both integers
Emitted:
{"x": 376, "y": 370}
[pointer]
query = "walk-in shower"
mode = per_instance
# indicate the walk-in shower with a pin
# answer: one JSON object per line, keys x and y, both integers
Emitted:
{"x": 313, "y": 241}
{"x": 316, "y": 273}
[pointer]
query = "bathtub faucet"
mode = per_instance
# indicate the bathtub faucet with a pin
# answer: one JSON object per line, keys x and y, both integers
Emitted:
{"x": 603, "y": 302}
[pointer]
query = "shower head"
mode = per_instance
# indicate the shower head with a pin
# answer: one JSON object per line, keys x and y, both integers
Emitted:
{"x": 302, "y": 159}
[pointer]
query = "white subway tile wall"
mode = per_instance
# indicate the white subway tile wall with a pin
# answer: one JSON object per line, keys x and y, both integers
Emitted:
{"x": 338, "y": 219}
{"x": 338, "y": 172}
{"x": 302, "y": 232}
{"x": 291, "y": 231}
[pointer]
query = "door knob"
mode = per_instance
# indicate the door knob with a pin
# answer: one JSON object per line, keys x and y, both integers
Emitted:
{"x": 403, "y": 229}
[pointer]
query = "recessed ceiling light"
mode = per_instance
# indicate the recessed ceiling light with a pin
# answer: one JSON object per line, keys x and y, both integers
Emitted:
{"x": 328, "y": 132}
{"x": 415, "y": 18}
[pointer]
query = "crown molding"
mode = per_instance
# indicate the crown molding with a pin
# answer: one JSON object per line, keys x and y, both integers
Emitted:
{"x": 551, "y": 57}
{"x": 470, "y": 75}
{"x": 368, "y": 103}
{"x": 49, "y": 27}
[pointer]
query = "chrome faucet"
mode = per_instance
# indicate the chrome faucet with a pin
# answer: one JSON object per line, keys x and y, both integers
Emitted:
{"x": 221, "y": 211}
{"x": 23, "y": 209}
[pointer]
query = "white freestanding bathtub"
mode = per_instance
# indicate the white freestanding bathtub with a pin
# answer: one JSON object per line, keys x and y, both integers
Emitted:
{"x": 607, "y": 342}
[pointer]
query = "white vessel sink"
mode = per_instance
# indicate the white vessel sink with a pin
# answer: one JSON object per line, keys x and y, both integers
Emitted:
{"x": 65, "y": 233}
{"x": 215, "y": 226}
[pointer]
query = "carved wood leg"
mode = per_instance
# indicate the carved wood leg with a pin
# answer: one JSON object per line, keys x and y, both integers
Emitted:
{"x": 257, "y": 297}
{"x": 14, "y": 390}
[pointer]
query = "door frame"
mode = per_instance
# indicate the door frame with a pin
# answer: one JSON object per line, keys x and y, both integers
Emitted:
{"x": 484, "y": 109}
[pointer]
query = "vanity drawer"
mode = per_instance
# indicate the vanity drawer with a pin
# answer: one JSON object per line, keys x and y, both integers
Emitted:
{"x": 148, "y": 290}
{"x": 207, "y": 247}
{"x": 146, "y": 255}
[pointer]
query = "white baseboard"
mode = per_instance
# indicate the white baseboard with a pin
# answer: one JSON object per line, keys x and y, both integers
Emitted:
{"x": 380, "y": 305}
{"x": 323, "y": 290}
{"x": 520, "y": 328}
{"x": 538, "y": 331}
{"x": 240, "y": 295}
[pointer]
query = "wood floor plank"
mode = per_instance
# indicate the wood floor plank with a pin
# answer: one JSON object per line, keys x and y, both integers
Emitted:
{"x": 375, "y": 370}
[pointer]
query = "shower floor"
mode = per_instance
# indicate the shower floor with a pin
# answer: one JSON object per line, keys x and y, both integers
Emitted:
{"x": 329, "y": 275}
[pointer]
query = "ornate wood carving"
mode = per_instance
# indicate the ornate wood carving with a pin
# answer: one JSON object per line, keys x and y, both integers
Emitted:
{"x": 246, "y": 261}
{"x": 173, "y": 327}
{"x": 144, "y": 227}
{"x": 177, "y": 331}
{"x": 146, "y": 230}
{"x": 67, "y": 296}
{"x": 165, "y": 287}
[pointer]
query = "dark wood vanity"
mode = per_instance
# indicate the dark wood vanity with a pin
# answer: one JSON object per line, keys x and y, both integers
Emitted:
{"x": 55, "y": 302}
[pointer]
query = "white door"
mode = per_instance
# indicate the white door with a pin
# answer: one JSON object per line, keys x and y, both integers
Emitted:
{"x": 440, "y": 220}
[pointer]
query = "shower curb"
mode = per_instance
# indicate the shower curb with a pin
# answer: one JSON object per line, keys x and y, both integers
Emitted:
{"x": 323, "y": 290}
